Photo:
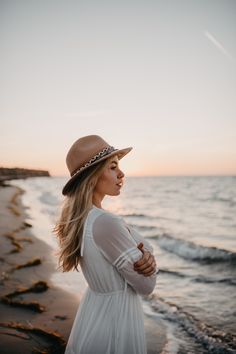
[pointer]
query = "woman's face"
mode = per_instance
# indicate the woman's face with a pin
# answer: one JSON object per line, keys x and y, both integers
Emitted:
{"x": 111, "y": 180}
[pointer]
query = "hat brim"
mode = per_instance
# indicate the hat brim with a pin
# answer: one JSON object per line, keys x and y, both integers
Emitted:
{"x": 121, "y": 153}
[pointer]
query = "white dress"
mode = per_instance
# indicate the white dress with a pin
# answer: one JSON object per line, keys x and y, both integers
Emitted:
{"x": 110, "y": 317}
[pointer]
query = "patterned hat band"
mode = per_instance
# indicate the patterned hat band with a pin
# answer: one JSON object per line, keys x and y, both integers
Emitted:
{"x": 98, "y": 156}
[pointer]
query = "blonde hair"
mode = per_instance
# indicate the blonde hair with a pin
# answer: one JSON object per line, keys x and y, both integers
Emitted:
{"x": 77, "y": 203}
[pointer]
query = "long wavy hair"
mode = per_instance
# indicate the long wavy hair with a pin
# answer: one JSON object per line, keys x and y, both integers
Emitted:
{"x": 69, "y": 227}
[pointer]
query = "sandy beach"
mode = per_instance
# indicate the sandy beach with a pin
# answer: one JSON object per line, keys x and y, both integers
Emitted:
{"x": 36, "y": 316}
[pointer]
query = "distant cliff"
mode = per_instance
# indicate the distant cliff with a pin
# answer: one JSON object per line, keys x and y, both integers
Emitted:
{"x": 16, "y": 173}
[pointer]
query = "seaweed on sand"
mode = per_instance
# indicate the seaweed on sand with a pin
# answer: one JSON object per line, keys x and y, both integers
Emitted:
{"x": 30, "y": 263}
{"x": 55, "y": 342}
{"x": 17, "y": 246}
{"x": 38, "y": 287}
{"x": 16, "y": 242}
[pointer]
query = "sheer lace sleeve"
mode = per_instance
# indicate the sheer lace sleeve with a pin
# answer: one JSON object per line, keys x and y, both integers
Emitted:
{"x": 115, "y": 242}
{"x": 138, "y": 238}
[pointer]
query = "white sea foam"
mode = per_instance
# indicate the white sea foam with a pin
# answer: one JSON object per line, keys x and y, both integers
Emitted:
{"x": 192, "y": 251}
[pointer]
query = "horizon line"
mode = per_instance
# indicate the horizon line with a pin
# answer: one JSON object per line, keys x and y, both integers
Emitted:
{"x": 177, "y": 175}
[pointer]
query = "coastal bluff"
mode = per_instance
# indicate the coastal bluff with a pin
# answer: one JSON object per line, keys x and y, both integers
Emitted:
{"x": 19, "y": 173}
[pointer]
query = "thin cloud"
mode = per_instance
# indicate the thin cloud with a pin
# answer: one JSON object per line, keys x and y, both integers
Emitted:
{"x": 218, "y": 45}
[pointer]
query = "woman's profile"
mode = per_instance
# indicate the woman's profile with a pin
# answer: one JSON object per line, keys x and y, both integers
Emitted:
{"x": 116, "y": 261}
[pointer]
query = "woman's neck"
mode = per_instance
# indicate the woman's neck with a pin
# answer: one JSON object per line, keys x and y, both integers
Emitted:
{"x": 97, "y": 201}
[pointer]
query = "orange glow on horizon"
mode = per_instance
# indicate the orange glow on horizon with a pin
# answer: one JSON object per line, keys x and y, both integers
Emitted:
{"x": 162, "y": 166}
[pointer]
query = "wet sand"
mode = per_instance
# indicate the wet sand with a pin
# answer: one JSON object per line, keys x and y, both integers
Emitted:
{"x": 37, "y": 316}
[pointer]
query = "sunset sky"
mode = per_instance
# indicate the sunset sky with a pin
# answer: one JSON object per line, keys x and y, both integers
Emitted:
{"x": 156, "y": 75}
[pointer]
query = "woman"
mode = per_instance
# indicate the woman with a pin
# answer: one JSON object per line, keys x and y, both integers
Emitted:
{"x": 116, "y": 261}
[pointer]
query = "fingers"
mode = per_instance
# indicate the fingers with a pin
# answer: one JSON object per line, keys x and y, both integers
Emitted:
{"x": 149, "y": 267}
{"x": 148, "y": 274}
{"x": 147, "y": 264}
{"x": 144, "y": 260}
{"x": 140, "y": 246}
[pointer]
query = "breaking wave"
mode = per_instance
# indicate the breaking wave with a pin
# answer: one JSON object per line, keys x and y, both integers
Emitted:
{"x": 190, "y": 250}
{"x": 214, "y": 340}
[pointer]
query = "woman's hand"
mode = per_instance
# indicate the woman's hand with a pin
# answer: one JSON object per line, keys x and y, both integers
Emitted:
{"x": 147, "y": 264}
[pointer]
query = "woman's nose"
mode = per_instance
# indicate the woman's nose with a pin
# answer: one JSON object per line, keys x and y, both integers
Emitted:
{"x": 121, "y": 174}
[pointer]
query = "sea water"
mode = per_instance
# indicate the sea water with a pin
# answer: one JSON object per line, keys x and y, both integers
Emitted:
{"x": 191, "y": 224}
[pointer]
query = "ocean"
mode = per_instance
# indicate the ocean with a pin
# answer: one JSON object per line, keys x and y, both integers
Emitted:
{"x": 191, "y": 224}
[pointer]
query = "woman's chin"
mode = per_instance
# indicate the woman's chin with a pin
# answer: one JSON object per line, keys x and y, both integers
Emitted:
{"x": 114, "y": 193}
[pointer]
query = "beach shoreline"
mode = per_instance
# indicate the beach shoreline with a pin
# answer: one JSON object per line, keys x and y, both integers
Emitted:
{"x": 36, "y": 315}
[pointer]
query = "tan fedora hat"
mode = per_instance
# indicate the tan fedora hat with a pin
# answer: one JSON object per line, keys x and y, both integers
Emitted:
{"x": 88, "y": 151}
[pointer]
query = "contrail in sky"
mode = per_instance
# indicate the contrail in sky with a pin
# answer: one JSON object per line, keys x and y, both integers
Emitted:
{"x": 218, "y": 44}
